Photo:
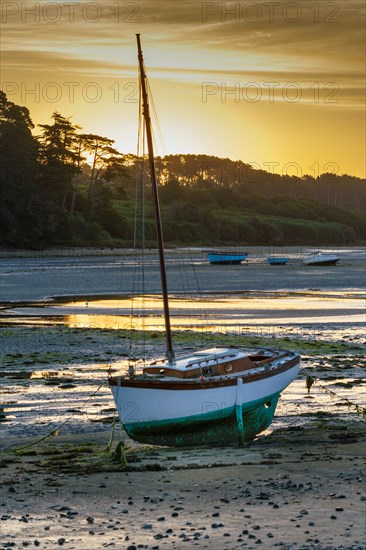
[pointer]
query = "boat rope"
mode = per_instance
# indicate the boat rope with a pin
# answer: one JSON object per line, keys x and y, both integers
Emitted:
{"x": 197, "y": 305}
{"x": 155, "y": 119}
{"x": 55, "y": 431}
{"x": 311, "y": 380}
{"x": 138, "y": 279}
{"x": 202, "y": 306}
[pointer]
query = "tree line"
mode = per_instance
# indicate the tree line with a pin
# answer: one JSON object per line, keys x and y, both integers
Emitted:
{"x": 65, "y": 187}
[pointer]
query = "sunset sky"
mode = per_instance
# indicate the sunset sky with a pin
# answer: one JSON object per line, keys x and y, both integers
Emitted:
{"x": 275, "y": 84}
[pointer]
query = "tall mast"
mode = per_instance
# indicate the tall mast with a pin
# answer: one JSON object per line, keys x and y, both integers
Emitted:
{"x": 154, "y": 188}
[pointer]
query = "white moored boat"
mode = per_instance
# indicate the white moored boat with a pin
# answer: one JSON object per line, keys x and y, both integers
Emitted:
{"x": 222, "y": 395}
{"x": 320, "y": 258}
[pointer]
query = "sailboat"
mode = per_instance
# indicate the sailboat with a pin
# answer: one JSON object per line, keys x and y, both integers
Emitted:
{"x": 223, "y": 395}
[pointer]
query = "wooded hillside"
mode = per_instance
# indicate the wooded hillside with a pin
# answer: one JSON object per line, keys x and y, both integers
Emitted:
{"x": 69, "y": 188}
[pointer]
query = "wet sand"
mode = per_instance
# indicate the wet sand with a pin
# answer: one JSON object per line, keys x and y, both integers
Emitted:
{"x": 299, "y": 486}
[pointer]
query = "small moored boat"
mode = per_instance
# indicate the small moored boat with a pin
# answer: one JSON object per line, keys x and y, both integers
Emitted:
{"x": 214, "y": 396}
{"x": 277, "y": 260}
{"x": 226, "y": 258}
{"x": 320, "y": 258}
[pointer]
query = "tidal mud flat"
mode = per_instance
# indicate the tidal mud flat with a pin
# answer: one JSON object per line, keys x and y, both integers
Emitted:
{"x": 299, "y": 485}
{"x": 298, "y": 488}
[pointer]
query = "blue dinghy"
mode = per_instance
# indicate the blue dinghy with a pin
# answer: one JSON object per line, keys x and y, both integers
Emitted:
{"x": 226, "y": 258}
{"x": 277, "y": 260}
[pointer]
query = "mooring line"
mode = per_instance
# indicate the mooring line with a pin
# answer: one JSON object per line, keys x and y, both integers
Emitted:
{"x": 310, "y": 381}
{"x": 54, "y": 431}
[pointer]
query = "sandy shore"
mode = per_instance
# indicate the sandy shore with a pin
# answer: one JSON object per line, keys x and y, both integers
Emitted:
{"x": 297, "y": 488}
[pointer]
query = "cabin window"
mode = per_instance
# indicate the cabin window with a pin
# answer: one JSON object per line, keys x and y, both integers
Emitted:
{"x": 161, "y": 371}
{"x": 228, "y": 367}
{"x": 267, "y": 405}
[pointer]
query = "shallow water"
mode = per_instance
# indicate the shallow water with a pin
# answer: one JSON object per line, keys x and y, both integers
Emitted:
{"x": 338, "y": 315}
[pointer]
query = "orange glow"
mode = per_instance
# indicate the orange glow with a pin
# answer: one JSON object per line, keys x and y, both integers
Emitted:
{"x": 280, "y": 85}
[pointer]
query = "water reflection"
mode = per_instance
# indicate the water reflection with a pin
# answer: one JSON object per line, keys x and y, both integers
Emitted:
{"x": 328, "y": 313}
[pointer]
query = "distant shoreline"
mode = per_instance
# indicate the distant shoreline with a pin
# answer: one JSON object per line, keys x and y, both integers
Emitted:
{"x": 99, "y": 250}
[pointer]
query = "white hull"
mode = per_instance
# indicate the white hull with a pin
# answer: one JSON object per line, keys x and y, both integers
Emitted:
{"x": 318, "y": 258}
{"x": 142, "y": 405}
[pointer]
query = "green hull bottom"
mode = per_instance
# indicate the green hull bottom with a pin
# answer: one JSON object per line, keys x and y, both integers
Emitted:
{"x": 222, "y": 427}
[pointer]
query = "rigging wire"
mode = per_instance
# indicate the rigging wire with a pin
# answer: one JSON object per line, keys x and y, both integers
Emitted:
{"x": 190, "y": 296}
{"x": 139, "y": 287}
{"x": 155, "y": 118}
{"x": 193, "y": 297}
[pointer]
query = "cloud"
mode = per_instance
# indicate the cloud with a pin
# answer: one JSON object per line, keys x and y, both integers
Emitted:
{"x": 48, "y": 61}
